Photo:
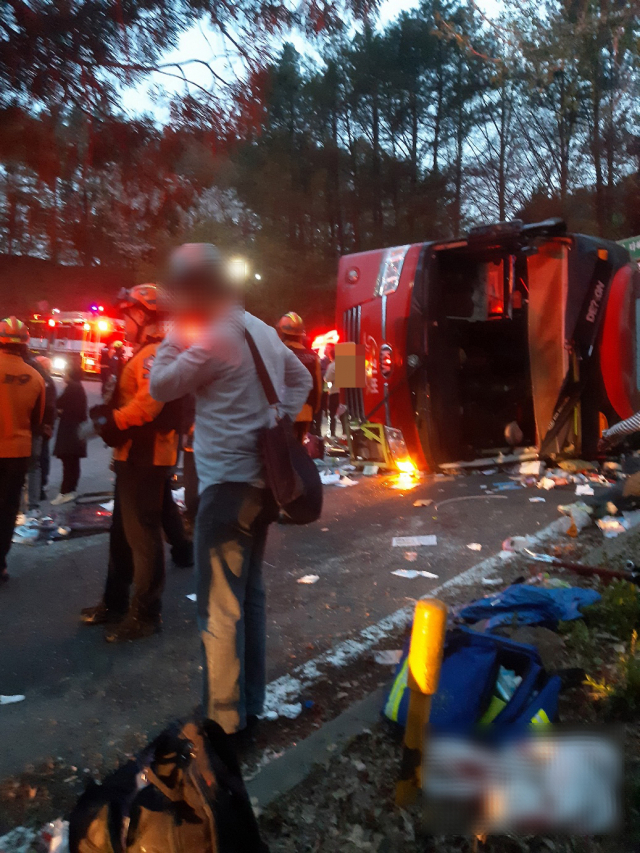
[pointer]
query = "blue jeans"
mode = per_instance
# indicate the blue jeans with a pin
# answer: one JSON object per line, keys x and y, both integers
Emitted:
{"x": 231, "y": 535}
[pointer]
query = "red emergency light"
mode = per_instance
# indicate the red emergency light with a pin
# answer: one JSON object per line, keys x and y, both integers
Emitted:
{"x": 51, "y": 323}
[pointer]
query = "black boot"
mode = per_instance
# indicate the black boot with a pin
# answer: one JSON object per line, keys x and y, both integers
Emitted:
{"x": 132, "y": 628}
{"x": 100, "y": 614}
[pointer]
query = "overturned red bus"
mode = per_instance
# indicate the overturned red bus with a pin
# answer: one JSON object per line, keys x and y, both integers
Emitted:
{"x": 523, "y": 323}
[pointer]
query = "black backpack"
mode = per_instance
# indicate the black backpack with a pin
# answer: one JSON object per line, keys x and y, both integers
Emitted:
{"x": 183, "y": 794}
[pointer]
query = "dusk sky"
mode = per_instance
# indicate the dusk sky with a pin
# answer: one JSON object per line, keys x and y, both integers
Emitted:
{"x": 201, "y": 43}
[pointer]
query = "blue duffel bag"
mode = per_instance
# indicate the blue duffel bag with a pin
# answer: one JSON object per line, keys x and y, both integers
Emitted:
{"x": 488, "y": 684}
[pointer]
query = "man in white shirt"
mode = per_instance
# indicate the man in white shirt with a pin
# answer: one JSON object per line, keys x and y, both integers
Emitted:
{"x": 207, "y": 356}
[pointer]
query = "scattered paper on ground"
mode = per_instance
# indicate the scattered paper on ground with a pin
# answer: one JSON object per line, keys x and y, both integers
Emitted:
{"x": 537, "y": 500}
{"x": 388, "y": 657}
{"x": 346, "y": 481}
{"x": 178, "y": 496}
{"x": 491, "y": 581}
{"x": 584, "y": 489}
{"x": 11, "y": 700}
{"x": 612, "y": 527}
{"x": 474, "y": 546}
{"x": 309, "y": 579}
{"x": 413, "y": 541}
{"x": 411, "y": 556}
{"x": 192, "y": 596}
{"x": 423, "y": 502}
{"x": 410, "y": 574}
{"x": 108, "y": 505}
{"x": 370, "y": 470}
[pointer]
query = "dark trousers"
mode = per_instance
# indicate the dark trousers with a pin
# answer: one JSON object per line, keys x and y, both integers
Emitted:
{"x": 45, "y": 462}
{"x": 190, "y": 476}
{"x": 172, "y": 523}
{"x": 70, "y": 473}
{"x": 136, "y": 552}
{"x": 301, "y": 428}
{"x": 231, "y": 535}
{"x": 317, "y": 420}
{"x": 334, "y": 403}
{"x": 12, "y": 474}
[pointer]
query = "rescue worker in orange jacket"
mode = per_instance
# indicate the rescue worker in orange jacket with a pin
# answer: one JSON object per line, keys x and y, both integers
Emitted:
{"x": 292, "y": 334}
{"x": 22, "y": 399}
{"x": 144, "y": 434}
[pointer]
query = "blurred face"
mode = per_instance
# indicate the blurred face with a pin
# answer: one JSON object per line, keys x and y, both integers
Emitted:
{"x": 195, "y": 311}
{"x": 133, "y": 320}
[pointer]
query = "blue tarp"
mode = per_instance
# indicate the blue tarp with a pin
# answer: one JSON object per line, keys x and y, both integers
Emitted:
{"x": 528, "y": 605}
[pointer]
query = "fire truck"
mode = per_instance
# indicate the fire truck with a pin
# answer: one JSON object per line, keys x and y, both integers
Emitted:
{"x": 79, "y": 335}
{"x": 513, "y": 323}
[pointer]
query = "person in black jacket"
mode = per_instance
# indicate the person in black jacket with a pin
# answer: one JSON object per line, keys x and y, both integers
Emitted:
{"x": 40, "y": 438}
{"x": 70, "y": 447}
{"x": 48, "y": 422}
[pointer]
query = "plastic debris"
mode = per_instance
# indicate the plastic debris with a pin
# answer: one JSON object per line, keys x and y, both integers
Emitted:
{"x": 370, "y": 470}
{"x": 569, "y": 509}
{"x": 491, "y": 581}
{"x": 474, "y": 546}
{"x": 309, "y": 579}
{"x": 546, "y": 483}
{"x": 537, "y": 500}
{"x": 11, "y": 700}
{"x": 346, "y": 481}
{"x": 584, "y": 489}
{"x": 388, "y": 657}
{"x": 329, "y": 478}
{"x": 290, "y": 711}
{"x": 410, "y": 574}
{"x": 413, "y": 541}
{"x": 423, "y": 502}
{"x": 533, "y": 469}
{"x": 192, "y": 596}
{"x": 178, "y": 496}
{"x": 58, "y": 835}
{"x": 27, "y": 534}
{"x": 579, "y": 514}
{"x": 516, "y": 543}
{"x": 576, "y": 466}
{"x": 507, "y": 486}
{"x": 612, "y": 527}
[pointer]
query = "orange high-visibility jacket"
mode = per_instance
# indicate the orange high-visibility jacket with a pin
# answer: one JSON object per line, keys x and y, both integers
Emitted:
{"x": 22, "y": 394}
{"x": 311, "y": 361}
{"x": 156, "y": 442}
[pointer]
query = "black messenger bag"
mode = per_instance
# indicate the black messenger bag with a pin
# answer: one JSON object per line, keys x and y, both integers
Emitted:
{"x": 290, "y": 472}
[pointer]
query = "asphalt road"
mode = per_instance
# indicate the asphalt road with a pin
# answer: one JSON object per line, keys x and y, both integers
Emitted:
{"x": 87, "y": 701}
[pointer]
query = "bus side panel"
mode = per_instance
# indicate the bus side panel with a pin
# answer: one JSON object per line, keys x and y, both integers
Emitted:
{"x": 620, "y": 344}
{"x": 358, "y": 319}
{"x": 401, "y": 403}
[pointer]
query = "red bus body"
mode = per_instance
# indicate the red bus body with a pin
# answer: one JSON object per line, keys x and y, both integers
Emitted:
{"x": 464, "y": 337}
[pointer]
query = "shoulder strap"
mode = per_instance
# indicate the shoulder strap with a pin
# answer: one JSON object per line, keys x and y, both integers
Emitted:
{"x": 263, "y": 375}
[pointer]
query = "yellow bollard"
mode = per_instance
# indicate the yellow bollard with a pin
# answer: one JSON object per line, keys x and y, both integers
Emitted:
{"x": 425, "y": 659}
